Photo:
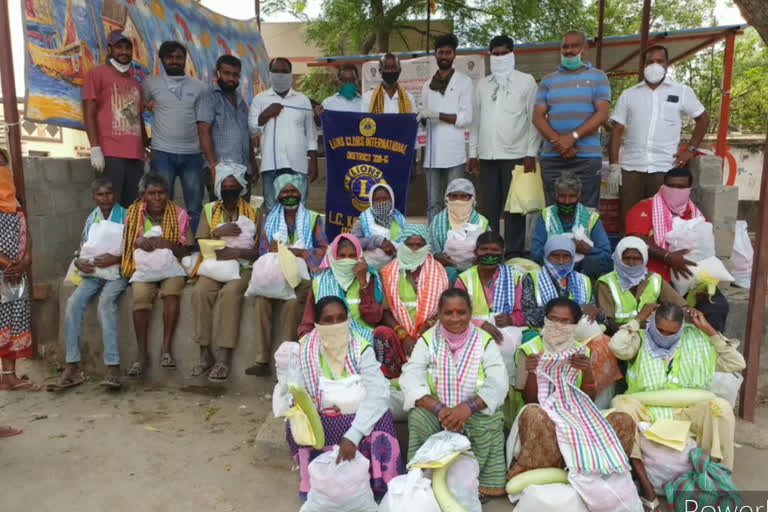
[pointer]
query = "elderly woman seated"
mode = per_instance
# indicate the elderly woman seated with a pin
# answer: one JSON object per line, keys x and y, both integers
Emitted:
{"x": 380, "y": 227}
{"x": 455, "y": 230}
{"x": 623, "y": 293}
{"x": 155, "y": 209}
{"x": 456, "y": 380}
{"x": 670, "y": 353}
{"x": 569, "y": 215}
{"x": 332, "y": 352}
{"x": 413, "y": 283}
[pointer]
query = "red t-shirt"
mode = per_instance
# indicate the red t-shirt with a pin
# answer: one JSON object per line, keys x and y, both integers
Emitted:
{"x": 640, "y": 222}
{"x": 119, "y": 107}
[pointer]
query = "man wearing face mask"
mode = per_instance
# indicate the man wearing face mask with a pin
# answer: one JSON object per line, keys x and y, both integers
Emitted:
{"x": 222, "y": 121}
{"x": 651, "y": 220}
{"x": 571, "y": 104}
{"x": 175, "y": 141}
{"x": 447, "y": 112}
{"x": 116, "y": 134}
{"x": 649, "y": 116}
{"x": 284, "y": 119}
{"x": 347, "y": 99}
{"x": 502, "y": 137}
{"x": 389, "y": 97}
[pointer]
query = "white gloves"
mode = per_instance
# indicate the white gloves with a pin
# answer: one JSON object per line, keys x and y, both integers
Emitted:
{"x": 97, "y": 158}
{"x": 426, "y": 113}
{"x": 613, "y": 180}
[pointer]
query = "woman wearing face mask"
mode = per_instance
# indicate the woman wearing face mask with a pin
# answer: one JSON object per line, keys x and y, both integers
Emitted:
{"x": 625, "y": 292}
{"x": 557, "y": 279}
{"x": 671, "y": 353}
{"x": 456, "y": 380}
{"x": 344, "y": 273}
{"x": 332, "y": 352}
{"x": 651, "y": 220}
{"x": 413, "y": 283}
{"x": 380, "y": 227}
{"x": 300, "y": 230}
{"x": 552, "y": 360}
{"x": 466, "y": 223}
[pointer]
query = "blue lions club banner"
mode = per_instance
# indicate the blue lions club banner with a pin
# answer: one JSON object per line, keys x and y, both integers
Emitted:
{"x": 362, "y": 150}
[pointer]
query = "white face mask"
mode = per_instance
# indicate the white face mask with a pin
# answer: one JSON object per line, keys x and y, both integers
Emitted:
{"x": 502, "y": 65}
{"x": 123, "y": 68}
{"x": 654, "y": 73}
{"x": 281, "y": 82}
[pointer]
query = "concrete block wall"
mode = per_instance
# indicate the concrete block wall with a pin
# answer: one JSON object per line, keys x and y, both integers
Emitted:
{"x": 718, "y": 203}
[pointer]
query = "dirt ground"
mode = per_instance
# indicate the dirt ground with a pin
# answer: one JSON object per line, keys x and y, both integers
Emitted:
{"x": 163, "y": 449}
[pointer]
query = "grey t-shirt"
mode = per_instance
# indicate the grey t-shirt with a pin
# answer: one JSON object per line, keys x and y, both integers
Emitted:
{"x": 174, "y": 125}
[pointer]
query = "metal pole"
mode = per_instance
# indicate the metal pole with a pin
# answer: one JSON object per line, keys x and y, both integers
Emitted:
{"x": 429, "y": 16}
{"x": 11, "y": 113}
{"x": 10, "y": 108}
{"x": 257, "y": 5}
{"x": 599, "y": 42}
{"x": 725, "y": 102}
{"x": 646, "y": 27}
{"x": 756, "y": 306}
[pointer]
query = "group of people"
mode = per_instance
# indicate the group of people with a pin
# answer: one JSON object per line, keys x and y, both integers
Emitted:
{"x": 419, "y": 318}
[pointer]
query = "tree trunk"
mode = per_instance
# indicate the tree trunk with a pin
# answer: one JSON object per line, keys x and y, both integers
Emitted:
{"x": 756, "y": 14}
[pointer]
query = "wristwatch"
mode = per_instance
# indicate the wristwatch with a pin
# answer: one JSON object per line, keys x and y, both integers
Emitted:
{"x": 575, "y": 134}
{"x": 692, "y": 149}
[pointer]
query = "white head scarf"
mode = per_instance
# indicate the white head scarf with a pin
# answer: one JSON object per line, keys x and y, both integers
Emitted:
{"x": 459, "y": 212}
{"x": 630, "y": 277}
{"x": 226, "y": 169}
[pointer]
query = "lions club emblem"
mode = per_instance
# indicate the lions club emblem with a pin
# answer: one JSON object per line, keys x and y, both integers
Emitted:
{"x": 367, "y": 127}
{"x": 359, "y": 181}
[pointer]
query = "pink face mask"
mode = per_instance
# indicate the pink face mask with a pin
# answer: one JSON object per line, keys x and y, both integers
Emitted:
{"x": 676, "y": 199}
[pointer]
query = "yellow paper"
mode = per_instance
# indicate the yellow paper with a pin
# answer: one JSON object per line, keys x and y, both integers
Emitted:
{"x": 208, "y": 248}
{"x": 438, "y": 463}
{"x": 288, "y": 265}
{"x": 672, "y": 433}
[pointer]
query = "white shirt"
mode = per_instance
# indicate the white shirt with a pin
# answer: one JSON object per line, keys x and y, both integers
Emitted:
{"x": 653, "y": 119}
{"x": 391, "y": 105}
{"x": 446, "y": 146}
{"x": 414, "y": 380}
{"x": 502, "y": 128}
{"x": 341, "y": 104}
{"x": 295, "y": 128}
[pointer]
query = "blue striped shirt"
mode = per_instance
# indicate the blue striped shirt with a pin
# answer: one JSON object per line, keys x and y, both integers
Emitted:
{"x": 570, "y": 98}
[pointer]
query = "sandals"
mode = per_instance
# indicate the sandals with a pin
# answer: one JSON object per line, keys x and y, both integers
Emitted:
{"x": 219, "y": 372}
{"x": 111, "y": 381}
{"x": 136, "y": 370}
{"x": 24, "y": 385}
{"x": 166, "y": 361}
{"x": 66, "y": 382}
{"x": 259, "y": 370}
{"x": 8, "y": 431}
{"x": 202, "y": 366}
{"x": 650, "y": 505}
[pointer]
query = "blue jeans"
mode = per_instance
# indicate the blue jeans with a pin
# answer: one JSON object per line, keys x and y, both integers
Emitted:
{"x": 107, "y": 310}
{"x": 268, "y": 182}
{"x": 437, "y": 181}
{"x": 188, "y": 168}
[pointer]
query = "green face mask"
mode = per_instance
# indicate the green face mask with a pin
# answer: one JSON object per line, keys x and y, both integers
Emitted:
{"x": 571, "y": 63}
{"x": 344, "y": 271}
{"x": 290, "y": 201}
{"x": 566, "y": 209}
{"x": 411, "y": 260}
{"x": 348, "y": 90}
{"x": 489, "y": 259}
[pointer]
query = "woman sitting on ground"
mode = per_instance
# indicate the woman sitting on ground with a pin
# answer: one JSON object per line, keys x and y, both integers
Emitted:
{"x": 461, "y": 217}
{"x": 413, "y": 283}
{"x": 623, "y": 293}
{"x": 380, "y": 226}
{"x": 468, "y": 398}
{"x": 331, "y": 351}
{"x": 345, "y": 274}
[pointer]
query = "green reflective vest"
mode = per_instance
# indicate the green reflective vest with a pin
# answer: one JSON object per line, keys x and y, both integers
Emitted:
{"x": 428, "y": 337}
{"x": 536, "y": 346}
{"x": 481, "y": 310}
{"x": 549, "y": 211}
{"x": 352, "y": 295}
{"x": 328, "y": 374}
{"x": 627, "y": 306}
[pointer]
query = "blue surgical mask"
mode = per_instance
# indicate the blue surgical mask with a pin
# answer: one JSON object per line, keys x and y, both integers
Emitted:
{"x": 571, "y": 63}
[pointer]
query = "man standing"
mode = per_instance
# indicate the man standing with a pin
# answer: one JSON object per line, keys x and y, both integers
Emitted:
{"x": 285, "y": 121}
{"x": 389, "y": 97}
{"x": 649, "y": 115}
{"x": 502, "y": 137}
{"x": 175, "y": 142}
{"x": 571, "y": 104}
{"x": 447, "y": 111}
{"x": 347, "y": 99}
{"x": 222, "y": 120}
{"x": 113, "y": 107}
